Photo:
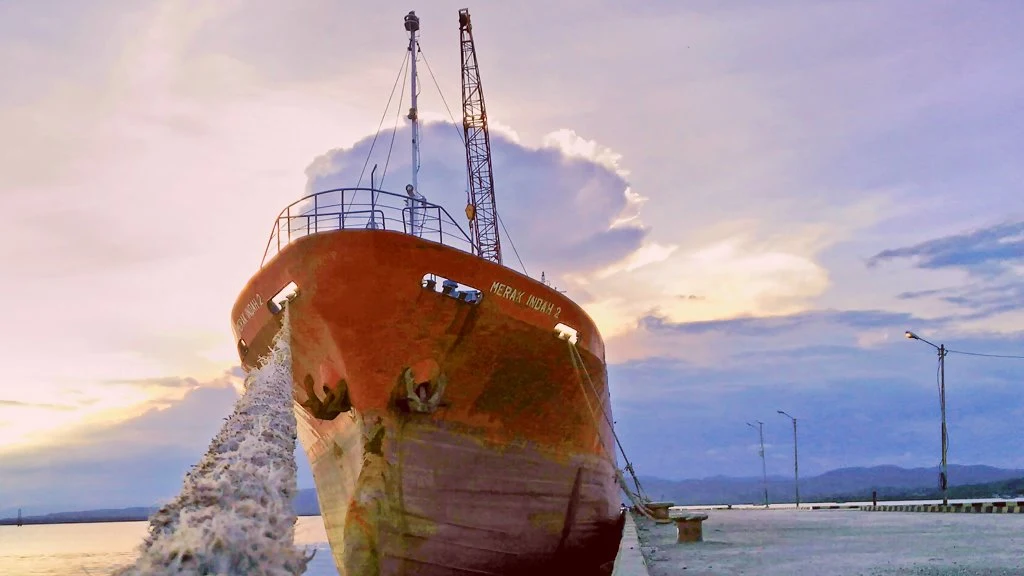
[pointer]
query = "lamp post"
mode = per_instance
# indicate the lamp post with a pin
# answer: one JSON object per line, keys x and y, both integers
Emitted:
{"x": 796, "y": 465}
{"x": 941, "y": 348}
{"x": 764, "y": 470}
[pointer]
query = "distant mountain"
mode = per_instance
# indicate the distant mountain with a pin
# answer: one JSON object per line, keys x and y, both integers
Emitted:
{"x": 105, "y": 515}
{"x": 830, "y": 486}
{"x": 1007, "y": 489}
{"x": 305, "y": 504}
{"x": 845, "y": 484}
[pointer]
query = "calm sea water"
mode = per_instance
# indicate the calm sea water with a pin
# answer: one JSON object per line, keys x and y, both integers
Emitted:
{"x": 84, "y": 549}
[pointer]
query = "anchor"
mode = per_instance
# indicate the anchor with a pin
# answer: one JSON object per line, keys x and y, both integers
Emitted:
{"x": 333, "y": 404}
{"x": 419, "y": 397}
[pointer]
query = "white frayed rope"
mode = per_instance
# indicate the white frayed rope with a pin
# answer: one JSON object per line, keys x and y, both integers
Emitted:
{"x": 234, "y": 514}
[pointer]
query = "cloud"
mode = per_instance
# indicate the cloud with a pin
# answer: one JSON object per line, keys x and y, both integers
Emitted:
{"x": 137, "y": 462}
{"x": 129, "y": 464}
{"x": 690, "y": 297}
{"x": 982, "y": 299}
{"x": 563, "y": 211}
{"x": 857, "y": 405}
{"x": 753, "y": 326}
{"x": 992, "y": 260}
{"x": 912, "y": 295}
{"x": 161, "y": 382}
{"x": 987, "y": 250}
{"x": 17, "y": 404}
{"x": 714, "y": 342}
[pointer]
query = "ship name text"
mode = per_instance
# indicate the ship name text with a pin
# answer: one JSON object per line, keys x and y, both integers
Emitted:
{"x": 248, "y": 312}
{"x": 521, "y": 297}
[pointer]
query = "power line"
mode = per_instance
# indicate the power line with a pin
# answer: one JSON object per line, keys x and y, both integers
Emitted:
{"x": 985, "y": 355}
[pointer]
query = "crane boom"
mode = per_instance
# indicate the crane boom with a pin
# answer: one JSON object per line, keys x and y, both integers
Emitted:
{"x": 481, "y": 208}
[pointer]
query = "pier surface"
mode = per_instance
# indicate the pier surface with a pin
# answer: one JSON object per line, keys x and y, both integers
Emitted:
{"x": 839, "y": 543}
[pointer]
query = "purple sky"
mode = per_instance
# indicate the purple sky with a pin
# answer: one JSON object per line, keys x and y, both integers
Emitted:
{"x": 753, "y": 202}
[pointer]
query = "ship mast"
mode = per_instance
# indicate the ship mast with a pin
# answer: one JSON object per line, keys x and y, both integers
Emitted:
{"x": 412, "y": 26}
{"x": 480, "y": 209}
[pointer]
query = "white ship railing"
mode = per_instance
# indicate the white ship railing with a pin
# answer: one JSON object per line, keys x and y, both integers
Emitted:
{"x": 364, "y": 208}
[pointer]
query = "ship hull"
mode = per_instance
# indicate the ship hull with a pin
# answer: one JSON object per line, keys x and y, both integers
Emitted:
{"x": 446, "y": 436}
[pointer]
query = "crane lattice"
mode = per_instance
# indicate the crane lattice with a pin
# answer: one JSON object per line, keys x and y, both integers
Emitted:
{"x": 481, "y": 208}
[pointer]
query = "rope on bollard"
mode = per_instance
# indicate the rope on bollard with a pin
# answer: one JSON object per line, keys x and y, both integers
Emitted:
{"x": 234, "y": 514}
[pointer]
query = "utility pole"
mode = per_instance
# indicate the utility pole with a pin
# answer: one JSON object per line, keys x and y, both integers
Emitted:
{"x": 764, "y": 469}
{"x": 796, "y": 459}
{"x": 943, "y": 478}
{"x": 941, "y": 348}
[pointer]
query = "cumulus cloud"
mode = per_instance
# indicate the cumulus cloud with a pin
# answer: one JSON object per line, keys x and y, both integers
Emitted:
{"x": 562, "y": 204}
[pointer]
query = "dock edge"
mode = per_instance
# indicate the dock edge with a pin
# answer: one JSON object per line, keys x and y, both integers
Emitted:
{"x": 1006, "y": 507}
{"x": 629, "y": 561}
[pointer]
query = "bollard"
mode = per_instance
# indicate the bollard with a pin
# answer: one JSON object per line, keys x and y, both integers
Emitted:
{"x": 659, "y": 509}
{"x": 689, "y": 527}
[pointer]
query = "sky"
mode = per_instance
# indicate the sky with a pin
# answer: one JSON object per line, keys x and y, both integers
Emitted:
{"x": 753, "y": 200}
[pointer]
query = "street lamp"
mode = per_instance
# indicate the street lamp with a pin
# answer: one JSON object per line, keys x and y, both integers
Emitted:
{"x": 764, "y": 470}
{"x": 941, "y": 348}
{"x": 796, "y": 465}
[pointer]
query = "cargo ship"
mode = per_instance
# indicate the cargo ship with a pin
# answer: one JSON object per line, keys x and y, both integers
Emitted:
{"x": 455, "y": 412}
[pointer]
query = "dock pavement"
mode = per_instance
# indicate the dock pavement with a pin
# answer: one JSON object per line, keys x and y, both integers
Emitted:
{"x": 827, "y": 543}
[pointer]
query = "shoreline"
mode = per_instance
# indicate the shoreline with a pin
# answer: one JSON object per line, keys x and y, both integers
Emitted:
{"x": 44, "y": 521}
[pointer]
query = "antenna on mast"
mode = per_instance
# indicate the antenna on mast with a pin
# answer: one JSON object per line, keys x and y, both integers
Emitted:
{"x": 415, "y": 200}
{"x": 412, "y": 26}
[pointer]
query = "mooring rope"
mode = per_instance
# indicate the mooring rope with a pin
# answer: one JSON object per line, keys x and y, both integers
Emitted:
{"x": 234, "y": 515}
{"x": 581, "y": 372}
{"x": 639, "y": 499}
{"x": 639, "y": 503}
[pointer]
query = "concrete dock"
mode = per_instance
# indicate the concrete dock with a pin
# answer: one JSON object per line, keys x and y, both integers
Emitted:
{"x": 833, "y": 542}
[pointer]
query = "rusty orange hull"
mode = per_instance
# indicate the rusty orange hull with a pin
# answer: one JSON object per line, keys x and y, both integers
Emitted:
{"x": 446, "y": 436}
